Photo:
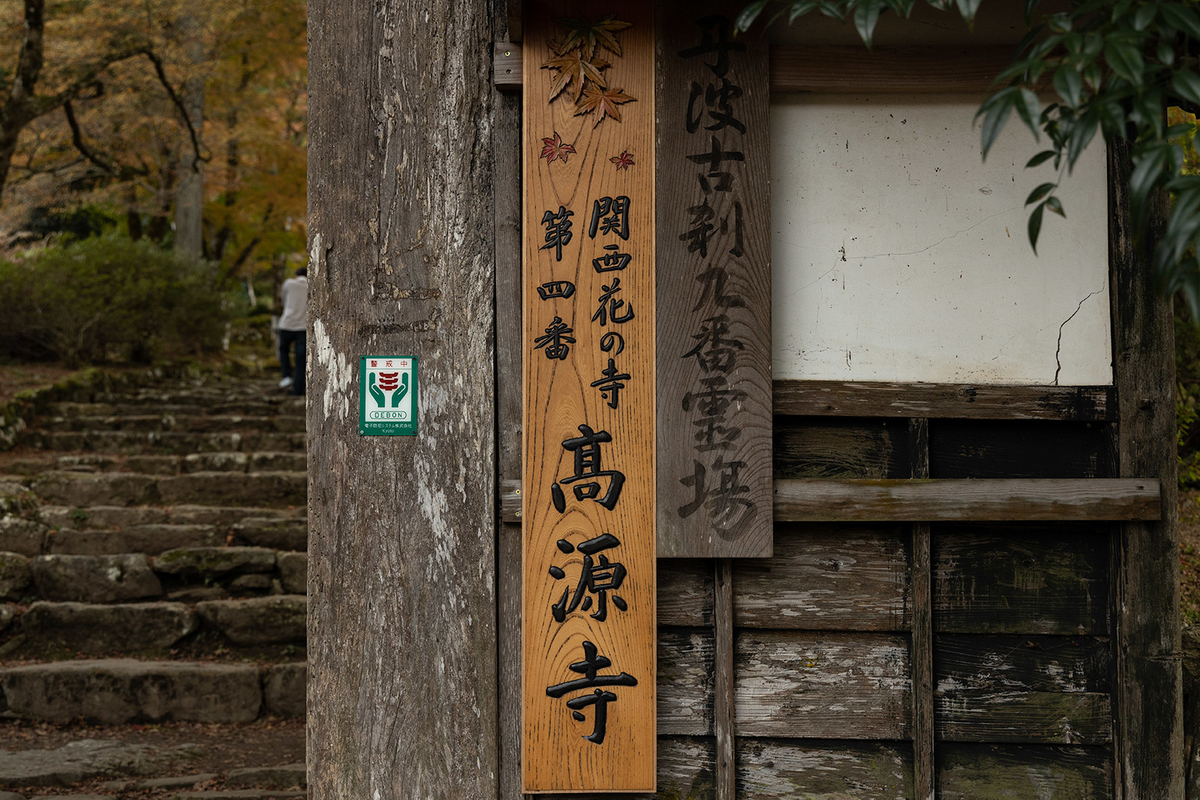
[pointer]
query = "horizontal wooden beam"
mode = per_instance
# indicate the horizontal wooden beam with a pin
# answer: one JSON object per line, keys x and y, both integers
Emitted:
{"x": 944, "y": 400}
{"x": 852, "y": 68}
{"x": 847, "y": 69}
{"x": 990, "y": 500}
{"x": 960, "y": 500}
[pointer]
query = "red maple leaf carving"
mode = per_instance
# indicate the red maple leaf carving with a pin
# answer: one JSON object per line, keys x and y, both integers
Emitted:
{"x": 555, "y": 149}
{"x": 623, "y": 161}
{"x": 606, "y": 100}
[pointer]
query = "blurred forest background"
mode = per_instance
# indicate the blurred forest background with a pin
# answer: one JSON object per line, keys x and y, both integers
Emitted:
{"x": 152, "y": 175}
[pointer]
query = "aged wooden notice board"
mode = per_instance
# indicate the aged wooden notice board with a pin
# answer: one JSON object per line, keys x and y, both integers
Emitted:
{"x": 646, "y": 387}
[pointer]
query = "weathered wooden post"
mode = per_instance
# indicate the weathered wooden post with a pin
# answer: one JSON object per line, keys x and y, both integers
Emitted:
{"x": 402, "y": 629}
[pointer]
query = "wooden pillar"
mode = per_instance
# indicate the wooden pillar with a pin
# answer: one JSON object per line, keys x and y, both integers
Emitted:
{"x": 402, "y": 616}
{"x": 1148, "y": 700}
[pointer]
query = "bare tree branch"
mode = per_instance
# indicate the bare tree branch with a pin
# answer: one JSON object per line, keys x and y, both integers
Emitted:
{"x": 161, "y": 72}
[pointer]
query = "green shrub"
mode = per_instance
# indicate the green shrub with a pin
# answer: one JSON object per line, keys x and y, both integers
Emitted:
{"x": 109, "y": 299}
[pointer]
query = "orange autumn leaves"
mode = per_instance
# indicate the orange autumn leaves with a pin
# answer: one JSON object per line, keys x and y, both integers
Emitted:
{"x": 580, "y": 66}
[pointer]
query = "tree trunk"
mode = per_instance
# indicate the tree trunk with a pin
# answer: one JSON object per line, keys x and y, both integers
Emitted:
{"x": 189, "y": 192}
{"x": 402, "y": 630}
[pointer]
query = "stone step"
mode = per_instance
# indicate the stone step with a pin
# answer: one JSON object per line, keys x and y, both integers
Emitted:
{"x": 200, "y": 488}
{"x": 107, "y": 629}
{"x": 122, "y": 691}
{"x": 84, "y": 759}
{"x": 280, "y": 619}
{"x": 186, "y": 574}
{"x": 251, "y": 408}
{"x": 286, "y": 533}
{"x": 219, "y": 461}
{"x": 147, "y": 539}
{"x": 225, "y": 488}
{"x": 93, "y": 517}
{"x": 151, "y": 442}
{"x": 177, "y": 423}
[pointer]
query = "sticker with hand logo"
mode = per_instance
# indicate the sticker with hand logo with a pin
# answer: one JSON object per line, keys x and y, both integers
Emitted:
{"x": 387, "y": 404}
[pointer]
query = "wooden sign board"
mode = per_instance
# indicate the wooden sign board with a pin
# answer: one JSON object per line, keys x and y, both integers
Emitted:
{"x": 588, "y": 510}
{"x": 714, "y": 286}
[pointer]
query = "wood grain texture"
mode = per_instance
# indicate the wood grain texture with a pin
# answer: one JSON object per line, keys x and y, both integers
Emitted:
{"x": 977, "y": 500}
{"x": 917, "y": 70}
{"x": 944, "y": 401}
{"x": 507, "y": 221}
{"x": 723, "y": 681}
{"x": 714, "y": 272}
{"x": 1024, "y": 689}
{"x": 1030, "y": 772}
{"x": 783, "y": 769}
{"x": 685, "y": 682}
{"x": 685, "y": 772}
{"x": 1149, "y": 694}
{"x": 1020, "y": 579}
{"x": 823, "y": 685}
{"x": 825, "y": 447}
{"x": 400, "y": 203}
{"x": 562, "y": 403}
{"x": 1067, "y": 500}
{"x": 826, "y": 577}
{"x": 1021, "y": 449}
{"x": 1023, "y": 663}
{"x": 507, "y": 69}
{"x": 685, "y": 592}
{"x": 922, "y": 625}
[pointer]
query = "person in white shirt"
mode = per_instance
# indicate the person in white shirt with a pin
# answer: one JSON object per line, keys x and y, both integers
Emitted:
{"x": 292, "y": 330}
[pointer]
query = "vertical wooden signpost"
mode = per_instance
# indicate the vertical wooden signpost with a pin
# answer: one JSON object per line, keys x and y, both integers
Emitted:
{"x": 588, "y": 508}
{"x": 714, "y": 286}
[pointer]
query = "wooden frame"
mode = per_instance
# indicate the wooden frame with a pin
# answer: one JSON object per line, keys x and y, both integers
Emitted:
{"x": 1147, "y": 694}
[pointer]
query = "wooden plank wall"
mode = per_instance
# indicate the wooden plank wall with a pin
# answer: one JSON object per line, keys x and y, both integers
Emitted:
{"x": 883, "y": 659}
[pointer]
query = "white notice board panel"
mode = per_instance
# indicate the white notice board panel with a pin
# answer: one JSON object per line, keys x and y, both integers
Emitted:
{"x": 898, "y": 255}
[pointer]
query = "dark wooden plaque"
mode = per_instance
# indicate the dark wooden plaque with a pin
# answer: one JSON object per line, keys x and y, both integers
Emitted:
{"x": 713, "y": 286}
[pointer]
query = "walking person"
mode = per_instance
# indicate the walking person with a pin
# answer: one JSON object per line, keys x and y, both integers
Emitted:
{"x": 294, "y": 294}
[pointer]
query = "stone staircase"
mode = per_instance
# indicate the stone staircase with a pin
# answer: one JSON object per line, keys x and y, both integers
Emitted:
{"x": 152, "y": 557}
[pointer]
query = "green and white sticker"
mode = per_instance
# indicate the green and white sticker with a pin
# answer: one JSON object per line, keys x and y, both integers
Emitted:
{"x": 387, "y": 404}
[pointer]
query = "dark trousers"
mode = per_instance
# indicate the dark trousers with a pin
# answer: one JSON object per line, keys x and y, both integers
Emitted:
{"x": 286, "y": 339}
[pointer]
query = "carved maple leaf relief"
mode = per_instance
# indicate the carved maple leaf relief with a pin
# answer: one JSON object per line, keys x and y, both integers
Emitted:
{"x": 604, "y": 100}
{"x": 623, "y": 161}
{"x": 588, "y": 35}
{"x": 555, "y": 148}
{"x": 573, "y": 68}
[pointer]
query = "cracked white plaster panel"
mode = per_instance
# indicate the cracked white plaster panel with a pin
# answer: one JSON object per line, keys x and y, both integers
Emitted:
{"x": 898, "y": 255}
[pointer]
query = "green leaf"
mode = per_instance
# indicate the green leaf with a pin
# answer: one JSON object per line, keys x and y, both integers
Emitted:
{"x": 1187, "y": 85}
{"x": 1069, "y": 84}
{"x": 1055, "y": 205}
{"x": 1166, "y": 53}
{"x": 968, "y": 8}
{"x": 1125, "y": 60}
{"x": 832, "y": 9}
{"x": 1082, "y": 131}
{"x": 1035, "y": 226}
{"x": 1039, "y": 193}
{"x": 1144, "y": 16}
{"x": 996, "y": 117}
{"x": 865, "y": 18}
{"x": 1147, "y": 169}
{"x": 1181, "y": 17}
{"x": 1030, "y": 7}
{"x": 1029, "y": 108}
{"x": 749, "y": 14}
{"x": 1040, "y": 158}
{"x": 799, "y": 10}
